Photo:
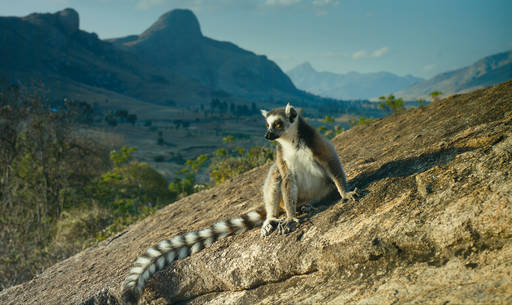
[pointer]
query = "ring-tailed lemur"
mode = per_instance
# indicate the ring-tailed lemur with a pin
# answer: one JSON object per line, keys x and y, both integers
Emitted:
{"x": 307, "y": 169}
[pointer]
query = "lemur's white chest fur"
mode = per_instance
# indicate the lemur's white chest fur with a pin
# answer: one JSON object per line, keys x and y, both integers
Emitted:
{"x": 311, "y": 179}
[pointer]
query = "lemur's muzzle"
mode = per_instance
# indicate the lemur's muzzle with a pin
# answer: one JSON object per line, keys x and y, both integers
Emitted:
{"x": 270, "y": 135}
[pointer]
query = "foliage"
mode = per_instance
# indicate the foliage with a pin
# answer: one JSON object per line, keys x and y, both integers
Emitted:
{"x": 61, "y": 191}
{"x": 129, "y": 192}
{"x": 392, "y": 104}
{"x": 422, "y": 102}
{"x": 43, "y": 168}
{"x": 331, "y": 129}
{"x": 111, "y": 120}
{"x": 436, "y": 95}
{"x": 131, "y": 118}
{"x": 228, "y": 139}
{"x": 362, "y": 121}
{"x": 123, "y": 156}
{"x": 186, "y": 184}
{"x": 121, "y": 115}
{"x": 227, "y": 166}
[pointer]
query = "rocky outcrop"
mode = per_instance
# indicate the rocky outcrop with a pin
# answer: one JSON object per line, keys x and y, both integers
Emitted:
{"x": 68, "y": 20}
{"x": 433, "y": 226}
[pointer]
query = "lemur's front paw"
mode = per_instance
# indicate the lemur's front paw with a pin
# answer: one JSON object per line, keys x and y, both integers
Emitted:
{"x": 268, "y": 227}
{"x": 352, "y": 196}
{"x": 287, "y": 225}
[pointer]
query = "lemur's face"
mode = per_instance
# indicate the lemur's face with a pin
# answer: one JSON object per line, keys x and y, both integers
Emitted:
{"x": 278, "y": 121}
{"x": 276, "y": 125}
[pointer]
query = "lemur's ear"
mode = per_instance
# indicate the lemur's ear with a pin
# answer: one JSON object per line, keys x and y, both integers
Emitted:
{"x": 291, "y": 113}
{"x": 264, "y": 112}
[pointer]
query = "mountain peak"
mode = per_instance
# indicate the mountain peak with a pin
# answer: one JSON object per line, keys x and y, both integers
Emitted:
{"x": 305, "y": 67}
{"x": 67, "y": 20}
{"x": 175, "y": 24}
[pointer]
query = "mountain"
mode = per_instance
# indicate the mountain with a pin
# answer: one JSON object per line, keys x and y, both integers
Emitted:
{"x": 215, "y": 64}
{"x": 170, "y": 61}
{"x": 351, "y": 86}
{"x": 488, "y": 71}
{"x": 433, "y": 226}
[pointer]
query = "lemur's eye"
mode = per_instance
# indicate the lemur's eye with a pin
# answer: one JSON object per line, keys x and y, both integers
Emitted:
{"x": 278, "y": 125}
{"x": 267, "y": 125}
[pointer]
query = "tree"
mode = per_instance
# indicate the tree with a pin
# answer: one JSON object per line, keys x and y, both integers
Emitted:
{"x": 122, "y": 114}
{"x": 362, "y": 121}
{"x": 421, "y": 102}
{"x": 436, "y": 95}
{"x": 111, "y": 120}
{"x": 132, "y": 118}
{"x": 160, "y": 140}
{"x": 124, "y": 156}
{"x": 44, "y": 168}
{"x": 228, "y": 139}
{"x": 391, "y": 104}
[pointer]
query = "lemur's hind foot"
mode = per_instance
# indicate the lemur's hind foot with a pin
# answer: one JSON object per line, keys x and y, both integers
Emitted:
{"x": 286, "y": 225}
{"x": 352, "y": 196}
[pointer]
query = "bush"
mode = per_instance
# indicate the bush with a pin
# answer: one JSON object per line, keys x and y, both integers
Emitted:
{"x": 392, "y": 104}
{"x": 226, "y": 167}
{"x": 44, "y": 167}
{"x": 76, "y": 229}
{"x": 61, "y": 191}
{"x": 362, "y": 121}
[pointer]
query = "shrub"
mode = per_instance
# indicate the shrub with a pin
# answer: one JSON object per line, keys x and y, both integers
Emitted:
{"x": 362, "y": 121}
{"x": 226, "y": 167}
{"x": 392, "y": 104}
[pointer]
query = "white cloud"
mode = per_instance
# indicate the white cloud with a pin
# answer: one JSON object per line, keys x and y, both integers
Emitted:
{"x": 359, "y": 54}
{"x": 322, "y": 3}
{"x": 365, "y": 54}
{"x": 380, "y": 52}
{"x": 281, "y": 2}
{"x": 429, "y": 67}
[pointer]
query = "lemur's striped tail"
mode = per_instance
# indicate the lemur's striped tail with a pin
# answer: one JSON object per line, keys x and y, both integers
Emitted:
{"x": 181, "y": 246}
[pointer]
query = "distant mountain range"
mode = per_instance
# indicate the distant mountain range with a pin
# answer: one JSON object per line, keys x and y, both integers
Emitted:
{"x": 170, "y": 63}
{"x": 488, "y": 71}
{"x": 349, "y": 86}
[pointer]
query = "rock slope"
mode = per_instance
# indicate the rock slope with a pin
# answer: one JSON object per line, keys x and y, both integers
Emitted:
{"x": 434, "y": 226}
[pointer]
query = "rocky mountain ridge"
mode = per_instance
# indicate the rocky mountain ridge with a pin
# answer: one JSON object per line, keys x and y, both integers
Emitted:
{"x": 215, "y": 64}
{"x": 433, "y": 226}
{"x": 170, "y": 61}
{"x": 348, "y": 86}
{"x": 488, "y": 71}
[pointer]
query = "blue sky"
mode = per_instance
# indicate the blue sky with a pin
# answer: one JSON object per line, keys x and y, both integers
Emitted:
{"x": 416, "y": 37}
